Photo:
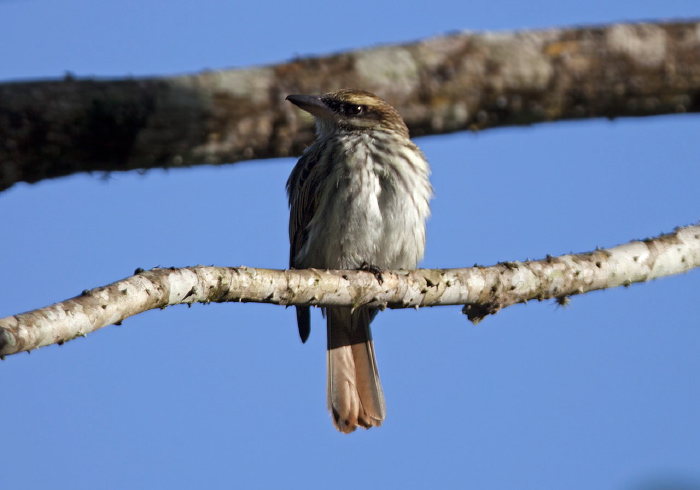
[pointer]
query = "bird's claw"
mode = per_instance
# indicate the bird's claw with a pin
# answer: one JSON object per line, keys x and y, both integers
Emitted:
{"x": 374, "y": 270}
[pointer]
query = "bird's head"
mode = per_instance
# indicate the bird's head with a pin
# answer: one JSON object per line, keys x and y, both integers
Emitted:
{"x": 350, "y": 110}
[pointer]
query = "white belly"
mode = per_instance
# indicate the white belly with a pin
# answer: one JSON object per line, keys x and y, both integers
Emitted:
{"x": 369, "y": 215}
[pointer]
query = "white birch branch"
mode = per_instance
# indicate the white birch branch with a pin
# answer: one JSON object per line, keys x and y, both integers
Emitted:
{"x": 483, "y": 290}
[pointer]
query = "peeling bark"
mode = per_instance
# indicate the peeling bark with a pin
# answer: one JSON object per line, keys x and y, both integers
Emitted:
{"x": 464, "y": 81}
{"x": 483, "y": 290}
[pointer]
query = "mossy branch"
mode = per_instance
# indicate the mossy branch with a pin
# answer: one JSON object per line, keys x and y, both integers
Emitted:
{"x": 457, "y": 82}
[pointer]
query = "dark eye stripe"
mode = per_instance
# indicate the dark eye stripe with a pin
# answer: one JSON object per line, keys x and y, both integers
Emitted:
{"x": 345, "y": 108}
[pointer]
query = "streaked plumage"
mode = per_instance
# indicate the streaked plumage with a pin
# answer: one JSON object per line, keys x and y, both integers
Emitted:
{"x": 359, "y": 195}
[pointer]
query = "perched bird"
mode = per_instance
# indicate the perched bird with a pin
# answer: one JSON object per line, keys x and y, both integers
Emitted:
{"x": 358, "y": 198}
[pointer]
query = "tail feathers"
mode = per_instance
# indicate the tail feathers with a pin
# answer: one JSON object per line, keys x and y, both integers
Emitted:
{"x": 303, "y": 322}
{"x": 355, "y": 396}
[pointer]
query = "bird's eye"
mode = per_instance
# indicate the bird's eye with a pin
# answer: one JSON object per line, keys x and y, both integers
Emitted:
{"x": 353, "y": 110}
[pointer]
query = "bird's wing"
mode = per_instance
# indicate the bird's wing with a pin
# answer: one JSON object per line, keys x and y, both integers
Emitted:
{"x": 302, "y": 189}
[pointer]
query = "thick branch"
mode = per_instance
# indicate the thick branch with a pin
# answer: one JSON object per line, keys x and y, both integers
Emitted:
{"x": 484, "y": 290}
{"x": 440, "y": 85}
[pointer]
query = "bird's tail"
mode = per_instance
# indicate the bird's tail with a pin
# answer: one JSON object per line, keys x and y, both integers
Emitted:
{"x": 355, "y": 396}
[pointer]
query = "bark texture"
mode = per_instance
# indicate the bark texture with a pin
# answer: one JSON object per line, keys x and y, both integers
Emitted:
{"x": 440, "y": 85}
{"x": 483, "y": 290}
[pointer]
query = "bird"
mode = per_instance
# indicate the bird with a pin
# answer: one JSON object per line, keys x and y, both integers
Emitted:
{"x": 359, "y": 199}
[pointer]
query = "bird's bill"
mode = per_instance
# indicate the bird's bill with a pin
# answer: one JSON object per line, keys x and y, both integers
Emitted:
{"x": 312, "y": 104}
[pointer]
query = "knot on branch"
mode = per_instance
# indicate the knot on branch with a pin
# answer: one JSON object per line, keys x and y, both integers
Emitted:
{"x": 476, "y": 313}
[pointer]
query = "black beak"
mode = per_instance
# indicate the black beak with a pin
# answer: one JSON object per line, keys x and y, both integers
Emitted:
{"x": 312, "y": 104}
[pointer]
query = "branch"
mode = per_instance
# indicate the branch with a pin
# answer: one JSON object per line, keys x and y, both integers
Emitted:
{"x": 464, "y": 81}
{"x": 483, "y": 290}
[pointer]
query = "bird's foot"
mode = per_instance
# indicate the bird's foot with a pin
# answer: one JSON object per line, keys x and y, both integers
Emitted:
{"x": 374, "y": 270}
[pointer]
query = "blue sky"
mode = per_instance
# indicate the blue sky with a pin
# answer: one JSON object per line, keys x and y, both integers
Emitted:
{"x": 603, "y": 394}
